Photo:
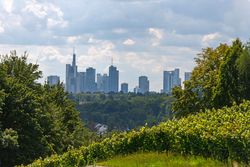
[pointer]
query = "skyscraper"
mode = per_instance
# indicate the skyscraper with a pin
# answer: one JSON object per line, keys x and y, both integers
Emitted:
{"x": 90, "y": 80}
{"x": 53, "y": 80}
{"x": 71, "y": 76}
{"x": 113, "y": 79}
{"x": 143, "y": 84}
{"x": 105, "y": 83}
{"x": 124, "y": 87}
{"x": 81, "y": 77}
{"x": 187, "y": 76}
{"x": 170, "y": 80}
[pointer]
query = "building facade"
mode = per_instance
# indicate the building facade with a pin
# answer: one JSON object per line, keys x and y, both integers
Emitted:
{"x": 143, "y": 84}
{"x": 124, "y": 87}
{"x": 71, "y": 76}
{"x": 170, "y": 80}
{"x": 113, "y": 79}
{"x": 53, "y": 80}
{"x": 90, "y": 83}
{"x": 187, "y": 76}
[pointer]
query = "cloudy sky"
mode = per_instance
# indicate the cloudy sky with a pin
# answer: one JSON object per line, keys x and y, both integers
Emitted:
{"x": 144, "y": 37}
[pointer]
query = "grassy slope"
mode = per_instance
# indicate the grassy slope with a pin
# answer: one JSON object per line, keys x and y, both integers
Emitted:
{"x": 160, "y": 160}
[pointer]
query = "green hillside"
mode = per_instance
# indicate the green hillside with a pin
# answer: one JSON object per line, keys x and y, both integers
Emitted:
{"x": 221, "y": 134}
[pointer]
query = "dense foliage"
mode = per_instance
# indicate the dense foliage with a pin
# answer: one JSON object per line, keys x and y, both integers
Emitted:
{"x": 123, "y": 111}
{"x": 220, "y": 78}
{"x": 222, "y": 134}
{"x": 35, "y": 120}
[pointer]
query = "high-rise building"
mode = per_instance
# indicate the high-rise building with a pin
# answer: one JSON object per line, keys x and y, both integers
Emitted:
{"x": 113, "y": 79}
{"x": 71, "y": 76}
{"x": 136, "y": 89}
{"x": 99, "y": 82}
{"x": 105, "y": 83}
{"x": 53, "y": 80}
{"x": 170, "y": 80}
{"x": 124, "y": 87}
{"x": 81, "y": 77}
{"x": 90, "y": 80}
{"x": 187, "y": 76}
{"x": 143, "y": 84}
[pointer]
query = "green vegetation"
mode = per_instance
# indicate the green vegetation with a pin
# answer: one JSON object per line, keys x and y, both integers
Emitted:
{"x": 35, "y": 120}
{"x": 123, "y": 111}
{"x": 220, "y": 79}
{"x": 160, "y": 160}
{"x": 221, "y": 134}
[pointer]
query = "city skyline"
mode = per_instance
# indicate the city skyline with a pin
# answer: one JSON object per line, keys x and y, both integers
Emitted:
{"x": 138, "y": 34}
{"x": 90, "y": 81}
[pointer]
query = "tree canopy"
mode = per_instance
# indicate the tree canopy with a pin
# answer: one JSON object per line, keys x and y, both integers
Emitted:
{"x": 220, "y": 78}
{"x": 35, "y": 120}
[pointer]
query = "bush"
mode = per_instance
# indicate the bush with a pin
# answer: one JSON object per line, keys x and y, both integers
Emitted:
{"x": 220, "y": 134}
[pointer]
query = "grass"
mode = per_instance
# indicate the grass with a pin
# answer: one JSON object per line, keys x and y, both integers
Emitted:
{"x": 160, "y": 160}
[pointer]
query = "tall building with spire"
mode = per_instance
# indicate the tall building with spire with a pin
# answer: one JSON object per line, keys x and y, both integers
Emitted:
{"x": 71, "y": 76}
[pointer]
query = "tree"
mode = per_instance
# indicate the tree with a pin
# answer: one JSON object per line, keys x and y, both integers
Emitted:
{"x": 220, "y": 79}
{"x": 35, "y": 120}
{"x": 198, "y": 91}
{"x": 227, "y": 88}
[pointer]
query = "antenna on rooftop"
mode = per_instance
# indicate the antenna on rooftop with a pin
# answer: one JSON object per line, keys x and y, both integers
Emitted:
{"x": 112, "y": 60}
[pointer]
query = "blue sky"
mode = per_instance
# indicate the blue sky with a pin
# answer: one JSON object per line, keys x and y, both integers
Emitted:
{"x": 144, "y": 37}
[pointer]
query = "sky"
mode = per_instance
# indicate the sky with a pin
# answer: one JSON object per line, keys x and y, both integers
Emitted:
{"x": 144, "y": 37}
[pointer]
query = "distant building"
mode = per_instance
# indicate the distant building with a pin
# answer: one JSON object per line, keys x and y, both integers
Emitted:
{"x": 53, "y": 80}
{"x": 113, "y": 79}
{"x": 81, "y": 77}
{"x": 137, "y": 89}
{"x": 71, "y": 76}
{"x": 143, "y": 84}
{"x": 124, "y": 87}
{"x": 170, "y": 80}
{"x": 187, "y": 76}
{"x": 90, "y": 80}
{"x": 99, "y": 82}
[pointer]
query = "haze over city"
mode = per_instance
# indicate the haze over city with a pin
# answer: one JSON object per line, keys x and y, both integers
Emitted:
{"x": 143, "y": 37}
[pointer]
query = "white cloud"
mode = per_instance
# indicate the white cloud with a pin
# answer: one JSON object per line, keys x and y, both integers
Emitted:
{"x": 48, "y": 11}
{"x": 210, "y": 37}
{"x": 129, "y": 42}
{"x": 157, "y": 35}
{"x": 7, "y": 5}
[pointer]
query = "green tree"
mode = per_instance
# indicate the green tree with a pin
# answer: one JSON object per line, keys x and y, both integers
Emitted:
{"x": 198, "y": 91}
{"x": 220, "y": 79}
{"x": 35, "y": 120}
{"x": 227, "y": 90}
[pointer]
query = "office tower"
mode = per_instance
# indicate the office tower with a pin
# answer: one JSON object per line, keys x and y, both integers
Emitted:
{"x": 105, "y": 83}
{"x": 187, "y": 76}
{"x": 136, "y": 89}
{"x": 81, "y": 77}
{"x": 143, "y": 84}
{"x": 113, "y": 79}
{"x": 124, "y": 87}
{"x": 53, "y": 80}
{"x": 99, "y": 82}
{"x": 170, "y": 80}
{"x": 71, "y": 76}
{"x": 90, "y": 80}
